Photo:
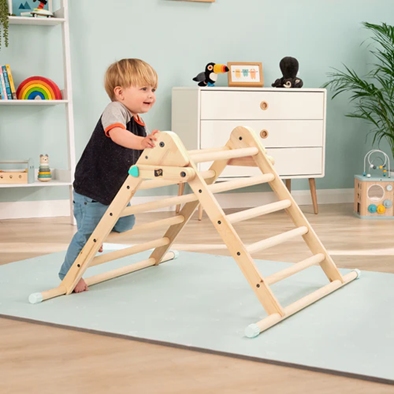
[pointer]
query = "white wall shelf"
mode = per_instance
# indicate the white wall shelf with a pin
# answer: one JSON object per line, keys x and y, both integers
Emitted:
{"x": 63, "y": 177}
{"x": 19, "y": 20}
{"x": 33, "y": 102}
{"x": 51, "y": 183}
{"x": 60, "y": 177}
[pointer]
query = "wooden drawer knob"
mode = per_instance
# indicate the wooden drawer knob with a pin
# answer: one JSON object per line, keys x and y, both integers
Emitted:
{"x": 263, "y": 134}
{"x": 263, "y": 105}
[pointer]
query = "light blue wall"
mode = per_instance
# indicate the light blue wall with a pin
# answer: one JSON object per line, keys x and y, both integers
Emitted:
{"x": 178, "y": 38}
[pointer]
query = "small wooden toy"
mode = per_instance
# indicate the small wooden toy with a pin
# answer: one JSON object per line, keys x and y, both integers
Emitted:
{"x": 373, "y": 195}
{"x": 384, "y": 166}
{"x": 38, "y": 88}
{"x": 44, "y": 172}
{"x": 16, "y": 171}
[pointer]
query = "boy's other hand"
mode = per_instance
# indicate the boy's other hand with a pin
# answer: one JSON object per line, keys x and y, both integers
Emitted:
{"x": 149, "y": 141}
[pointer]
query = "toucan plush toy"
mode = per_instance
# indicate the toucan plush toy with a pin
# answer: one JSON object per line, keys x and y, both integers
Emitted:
{"x": 210, "y": 75}
{"x": 289, "y": 67}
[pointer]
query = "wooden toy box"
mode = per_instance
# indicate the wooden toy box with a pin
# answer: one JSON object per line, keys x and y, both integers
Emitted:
{"x": 373, "y": 197}
{"x": 16, "y": 171}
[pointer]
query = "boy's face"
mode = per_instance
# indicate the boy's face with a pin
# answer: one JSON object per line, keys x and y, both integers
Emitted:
{"x": 138, "y": 99}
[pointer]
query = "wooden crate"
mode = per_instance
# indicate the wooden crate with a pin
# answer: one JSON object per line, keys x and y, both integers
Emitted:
{"x": 16, "y": 171}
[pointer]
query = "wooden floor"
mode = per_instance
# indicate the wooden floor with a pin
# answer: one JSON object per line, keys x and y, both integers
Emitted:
{"x": 41, "y": 359}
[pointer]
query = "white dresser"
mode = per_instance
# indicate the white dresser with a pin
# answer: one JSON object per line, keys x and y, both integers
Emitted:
{"x": 290, "y": 122}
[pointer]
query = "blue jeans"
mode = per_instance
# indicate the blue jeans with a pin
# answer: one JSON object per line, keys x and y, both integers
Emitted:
{"x": 88, "y": 213}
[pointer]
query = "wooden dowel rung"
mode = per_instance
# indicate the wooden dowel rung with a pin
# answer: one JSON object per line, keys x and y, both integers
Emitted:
{"x": 255, "y": 329}
{"x": 117, "y": 254}
{"x": 208, "y": 150}
{"x": 240, "y": 183}
{"x": 293, "y": 269}
{"x": 276, "y": 240}
{"x": 164, "y": 173}
{"x": 215, "y": 188}
{"x": 258, "y": 211}
{"x": 153, "y": 183}
{"x": 152, "y": 225}
{"x": 223, "y": 155}
{"x": 92, "y": 280}
{"x": 153, "y": 205}
{"x": 247, "y": 161}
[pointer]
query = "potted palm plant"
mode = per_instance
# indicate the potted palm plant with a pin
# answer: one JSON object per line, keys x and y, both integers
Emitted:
{"x": 373, "y": 93}
{"x": 4, "y": 12}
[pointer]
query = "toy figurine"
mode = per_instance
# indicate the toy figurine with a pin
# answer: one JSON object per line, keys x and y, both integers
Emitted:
{"x": 40, "y": 11}
{"x": 210, "y": 75}
{"x": 44, "y": 172}
{"x": 289, "y": 67}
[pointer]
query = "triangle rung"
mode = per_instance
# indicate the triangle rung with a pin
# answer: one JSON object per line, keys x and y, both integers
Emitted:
{"x": 155, "y": 183}
{"x": 255, "y": 329}
{"x": 240, "y": 183}
{"x": 141, "y": 228}
{"x": 295, "y": 268}
{"x": 92, "y": 280}
{"x": 215, "y": 188}
{"x": 152, "y": 205}
{"x": 276, "y": 240}
{"x": 226, "y": 154}
{"x": 117, "y": 254}
{"x": 258, "y": 211}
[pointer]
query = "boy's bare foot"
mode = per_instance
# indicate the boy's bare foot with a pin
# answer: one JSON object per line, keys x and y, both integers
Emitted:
{"x": 81, "y": 286}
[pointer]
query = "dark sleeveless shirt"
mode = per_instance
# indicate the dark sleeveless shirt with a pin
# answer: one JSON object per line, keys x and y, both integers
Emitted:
{"x": 103, "y": 166}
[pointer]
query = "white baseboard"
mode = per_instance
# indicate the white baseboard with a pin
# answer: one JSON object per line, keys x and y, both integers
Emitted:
{"x": 34, "y": 209}
{"x": 55, "y": 208}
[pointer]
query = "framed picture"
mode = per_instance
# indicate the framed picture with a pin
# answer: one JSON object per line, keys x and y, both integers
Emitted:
{"x": 245, "y": 74}
{"x": 24, "y": 7}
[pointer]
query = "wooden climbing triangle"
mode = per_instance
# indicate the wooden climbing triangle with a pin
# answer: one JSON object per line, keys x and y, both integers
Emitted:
{"x": 170, "y": 163}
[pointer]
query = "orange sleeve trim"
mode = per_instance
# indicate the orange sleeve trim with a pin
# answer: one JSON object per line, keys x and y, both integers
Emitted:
{"x": 112, "y": 126}
{"x": 139, "y": 120}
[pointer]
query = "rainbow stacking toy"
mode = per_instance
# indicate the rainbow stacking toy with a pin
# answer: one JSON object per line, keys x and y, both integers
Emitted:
{"x": 38, "y": 88}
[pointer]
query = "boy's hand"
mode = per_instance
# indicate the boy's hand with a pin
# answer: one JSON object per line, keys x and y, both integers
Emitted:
{"x": 149, "y": 141}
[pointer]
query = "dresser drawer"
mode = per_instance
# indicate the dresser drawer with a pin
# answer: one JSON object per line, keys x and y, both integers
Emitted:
{"x": 245, "y": 105}
{"x": 271, "y": 133}
{"x": 289, "y": 162}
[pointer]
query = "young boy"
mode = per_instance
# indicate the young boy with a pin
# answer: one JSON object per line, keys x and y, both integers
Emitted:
{"x": 115, "y": 145}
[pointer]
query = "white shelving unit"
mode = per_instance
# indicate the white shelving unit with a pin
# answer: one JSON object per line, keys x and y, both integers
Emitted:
{"x": 60, "y": 177}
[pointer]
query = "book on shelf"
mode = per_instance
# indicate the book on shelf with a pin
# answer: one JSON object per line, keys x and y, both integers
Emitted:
{"x": 7, "y": 85}
{"x": 3, "y": 91}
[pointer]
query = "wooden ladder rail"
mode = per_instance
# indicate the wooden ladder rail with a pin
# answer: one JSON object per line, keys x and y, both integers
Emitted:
{"x": 95, "y": 260}
{"x": 255, "y": 329}
{"x": 176, "y": 162}
{"x": 222, "y": 156}
{"x": 245, "y": 137}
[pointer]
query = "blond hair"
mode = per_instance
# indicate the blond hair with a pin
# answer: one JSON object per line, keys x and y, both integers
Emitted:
{"x": 129, "y": 72}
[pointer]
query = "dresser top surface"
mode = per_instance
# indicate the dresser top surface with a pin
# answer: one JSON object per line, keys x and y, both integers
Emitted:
{"x": 246, "y": 89}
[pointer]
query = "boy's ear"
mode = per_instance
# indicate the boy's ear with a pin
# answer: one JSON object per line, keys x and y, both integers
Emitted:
{"x": 118, "y": 90}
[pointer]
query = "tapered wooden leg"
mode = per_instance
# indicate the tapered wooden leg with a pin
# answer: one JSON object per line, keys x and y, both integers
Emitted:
{"x": 312, "y": 186}
{"x": 200, "y": 211}
{"x": 288, "y": 184}
{"x": 181, "y": 189}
